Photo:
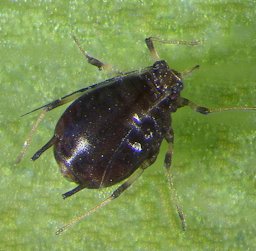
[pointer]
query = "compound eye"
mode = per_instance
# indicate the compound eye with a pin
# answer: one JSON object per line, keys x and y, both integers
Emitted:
{"x": 177, "y": 87}
{"x": 159, "y": 65}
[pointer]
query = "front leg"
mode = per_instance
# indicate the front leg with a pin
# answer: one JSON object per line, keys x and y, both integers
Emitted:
{"x": 167, "y": 164}
{"x": 186, "y": 102}
{"x": 204, "y": 110}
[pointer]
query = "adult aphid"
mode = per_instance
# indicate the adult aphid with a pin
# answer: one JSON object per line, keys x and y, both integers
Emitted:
{"x": 113, "y": 130}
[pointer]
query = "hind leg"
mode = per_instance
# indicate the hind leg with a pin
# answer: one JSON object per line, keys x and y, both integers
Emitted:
{"x": 167, "y": 163}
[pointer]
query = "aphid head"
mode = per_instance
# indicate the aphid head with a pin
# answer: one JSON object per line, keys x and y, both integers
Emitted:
{"x": 166, "y": 79}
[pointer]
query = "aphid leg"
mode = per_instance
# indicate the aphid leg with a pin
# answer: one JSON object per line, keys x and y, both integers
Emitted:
{"x": 167, "y": 163}
{"x": 91, "y": 60}
{"x": 113, "y": 196}
{"x": 204, "y": 110}
{"x": 41, "y": 116}
{"x": 30, "y": 136}
{"x": 46, "y": 108}
{"x": 189, "y": 71}
{"x": 73, "y": 191}
{"x": 44, "y": 148}
{"x": 149, "y": 42}
{"x": 185, "y": 102}
{"x": 150, "y": 45}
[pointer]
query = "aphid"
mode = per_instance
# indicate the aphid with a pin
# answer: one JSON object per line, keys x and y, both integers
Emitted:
{"x": 113, "y": 130}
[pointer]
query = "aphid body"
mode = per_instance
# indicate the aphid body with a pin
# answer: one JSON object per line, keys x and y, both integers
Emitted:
{"x": 116, "y": 127}
{"x": 113, "y": 130}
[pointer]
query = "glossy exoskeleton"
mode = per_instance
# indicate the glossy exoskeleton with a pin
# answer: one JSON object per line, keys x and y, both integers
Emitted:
{"x": 114, "y": 129}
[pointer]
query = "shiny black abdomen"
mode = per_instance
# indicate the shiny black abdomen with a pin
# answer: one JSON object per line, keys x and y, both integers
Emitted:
{"x": 106, "y": 134}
